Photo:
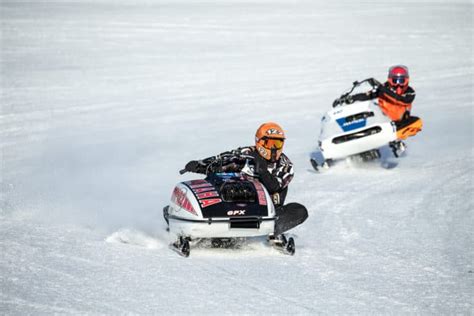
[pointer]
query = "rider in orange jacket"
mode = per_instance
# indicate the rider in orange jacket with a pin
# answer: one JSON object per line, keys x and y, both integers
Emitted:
{"x": 395, "y": 99}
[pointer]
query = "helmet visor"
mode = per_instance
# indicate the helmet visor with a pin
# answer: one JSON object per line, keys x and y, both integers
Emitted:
{"x": 399, "y": 80}
{"x": 271, "y": 143}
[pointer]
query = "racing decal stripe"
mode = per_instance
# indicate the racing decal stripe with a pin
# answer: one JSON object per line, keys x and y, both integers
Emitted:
{"x": 179, "y": 197}
{"x": 198, "y": 181}
{"x": 260, "y": 193}
{"x": 205, "y": 195}
{"x": 204, "y": 190}
{"x": 199, "y": 190}
{"x": 202, "y": 185}
{"x": 209, "y": 202}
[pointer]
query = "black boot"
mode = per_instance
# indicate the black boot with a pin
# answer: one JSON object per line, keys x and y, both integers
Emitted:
{"x": 289, "y": 216}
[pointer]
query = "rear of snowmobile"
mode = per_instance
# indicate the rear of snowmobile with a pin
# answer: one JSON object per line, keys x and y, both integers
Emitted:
{"x": 222, "y": 207}
{"x": 359, "y": 130}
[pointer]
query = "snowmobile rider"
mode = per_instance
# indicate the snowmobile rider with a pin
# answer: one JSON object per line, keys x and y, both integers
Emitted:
{"x": 265, "y": 160}
{"x": 395, "y": 98}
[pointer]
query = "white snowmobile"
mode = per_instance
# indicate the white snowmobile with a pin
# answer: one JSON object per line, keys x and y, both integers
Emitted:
{"x": 225, "y": 207}
{"x": 356, "y": 130}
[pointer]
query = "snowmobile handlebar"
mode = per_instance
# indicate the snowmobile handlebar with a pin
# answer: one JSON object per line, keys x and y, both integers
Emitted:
{"x": 355, "y": 84}
{"x": 205, "y": 166}
{"x": 219, "y": 163}
{"x": 345, "y": 95}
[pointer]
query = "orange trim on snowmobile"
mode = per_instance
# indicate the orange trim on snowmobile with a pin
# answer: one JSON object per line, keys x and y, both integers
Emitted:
{"x": 403, "y": 132}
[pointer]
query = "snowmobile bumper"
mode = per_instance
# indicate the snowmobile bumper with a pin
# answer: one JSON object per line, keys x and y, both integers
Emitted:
{"x": 222, "y": 227}
{"x": 363, "y": 140}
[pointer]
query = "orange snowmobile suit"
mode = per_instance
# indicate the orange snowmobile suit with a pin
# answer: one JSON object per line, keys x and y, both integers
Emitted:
{"x": 393, "y": 108}
{"x": 396, "y": 106}
{"x": 397, "y": 110}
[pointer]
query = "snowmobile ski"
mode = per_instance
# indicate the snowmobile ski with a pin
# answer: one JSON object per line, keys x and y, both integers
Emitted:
{"x": 181, "y": 246}
{"x": 320, "y": 166}
{"x": 314, "y": 163}
{"x": 283, "y": 244}
{"x": 398, "y": 148}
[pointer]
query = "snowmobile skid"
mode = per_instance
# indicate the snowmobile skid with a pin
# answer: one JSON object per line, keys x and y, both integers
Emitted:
{"x": 224, "y": 207}
{"x": 225, "y": 243}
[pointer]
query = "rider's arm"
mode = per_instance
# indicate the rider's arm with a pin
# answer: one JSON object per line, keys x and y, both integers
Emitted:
{"x": 406, "y": 97}
{"x": 210, "y": 164}
{"x": 228, "y": 161}
{"x": 279, "y": 178}
{"x": 269, "y": 181}
{"x": 369, "y": 95}
{"x": 196, "y": 166}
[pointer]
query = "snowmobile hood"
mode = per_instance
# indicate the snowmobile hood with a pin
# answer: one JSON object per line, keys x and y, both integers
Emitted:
{"x": 229, "y": 195}
{"x": 352, "y": 116}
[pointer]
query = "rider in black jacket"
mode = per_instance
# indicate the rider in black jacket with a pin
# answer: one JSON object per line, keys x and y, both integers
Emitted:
{"x": 267, "y": 161}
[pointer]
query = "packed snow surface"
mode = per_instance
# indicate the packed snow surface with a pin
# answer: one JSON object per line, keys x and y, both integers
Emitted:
{"x": 102, "y": 102}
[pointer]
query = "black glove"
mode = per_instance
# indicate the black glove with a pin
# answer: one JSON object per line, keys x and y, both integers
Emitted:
{"x": 342, "y": 99}
{"x": 348, "y": 99}
{"x": 345, "y": 98}
{"x": 260, "y": 165}
{"x": 336, "y": 103}
{"x": 193, "y": 166}
{"x": 373, "y": 82}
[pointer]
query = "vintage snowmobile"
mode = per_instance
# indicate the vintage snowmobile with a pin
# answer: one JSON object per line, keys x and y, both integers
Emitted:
{"x": 358, "y": 130}
{"x": 224, "y": 207}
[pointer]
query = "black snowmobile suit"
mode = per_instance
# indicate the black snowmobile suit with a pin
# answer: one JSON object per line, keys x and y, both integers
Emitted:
{"x": 275, "y": 176}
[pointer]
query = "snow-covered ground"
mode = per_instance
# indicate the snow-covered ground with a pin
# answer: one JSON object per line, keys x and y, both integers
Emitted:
{"x": 102, "y": 102}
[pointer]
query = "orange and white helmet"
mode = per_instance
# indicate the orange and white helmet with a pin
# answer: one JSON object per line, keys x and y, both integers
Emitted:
{"x": 269, "y": 141}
